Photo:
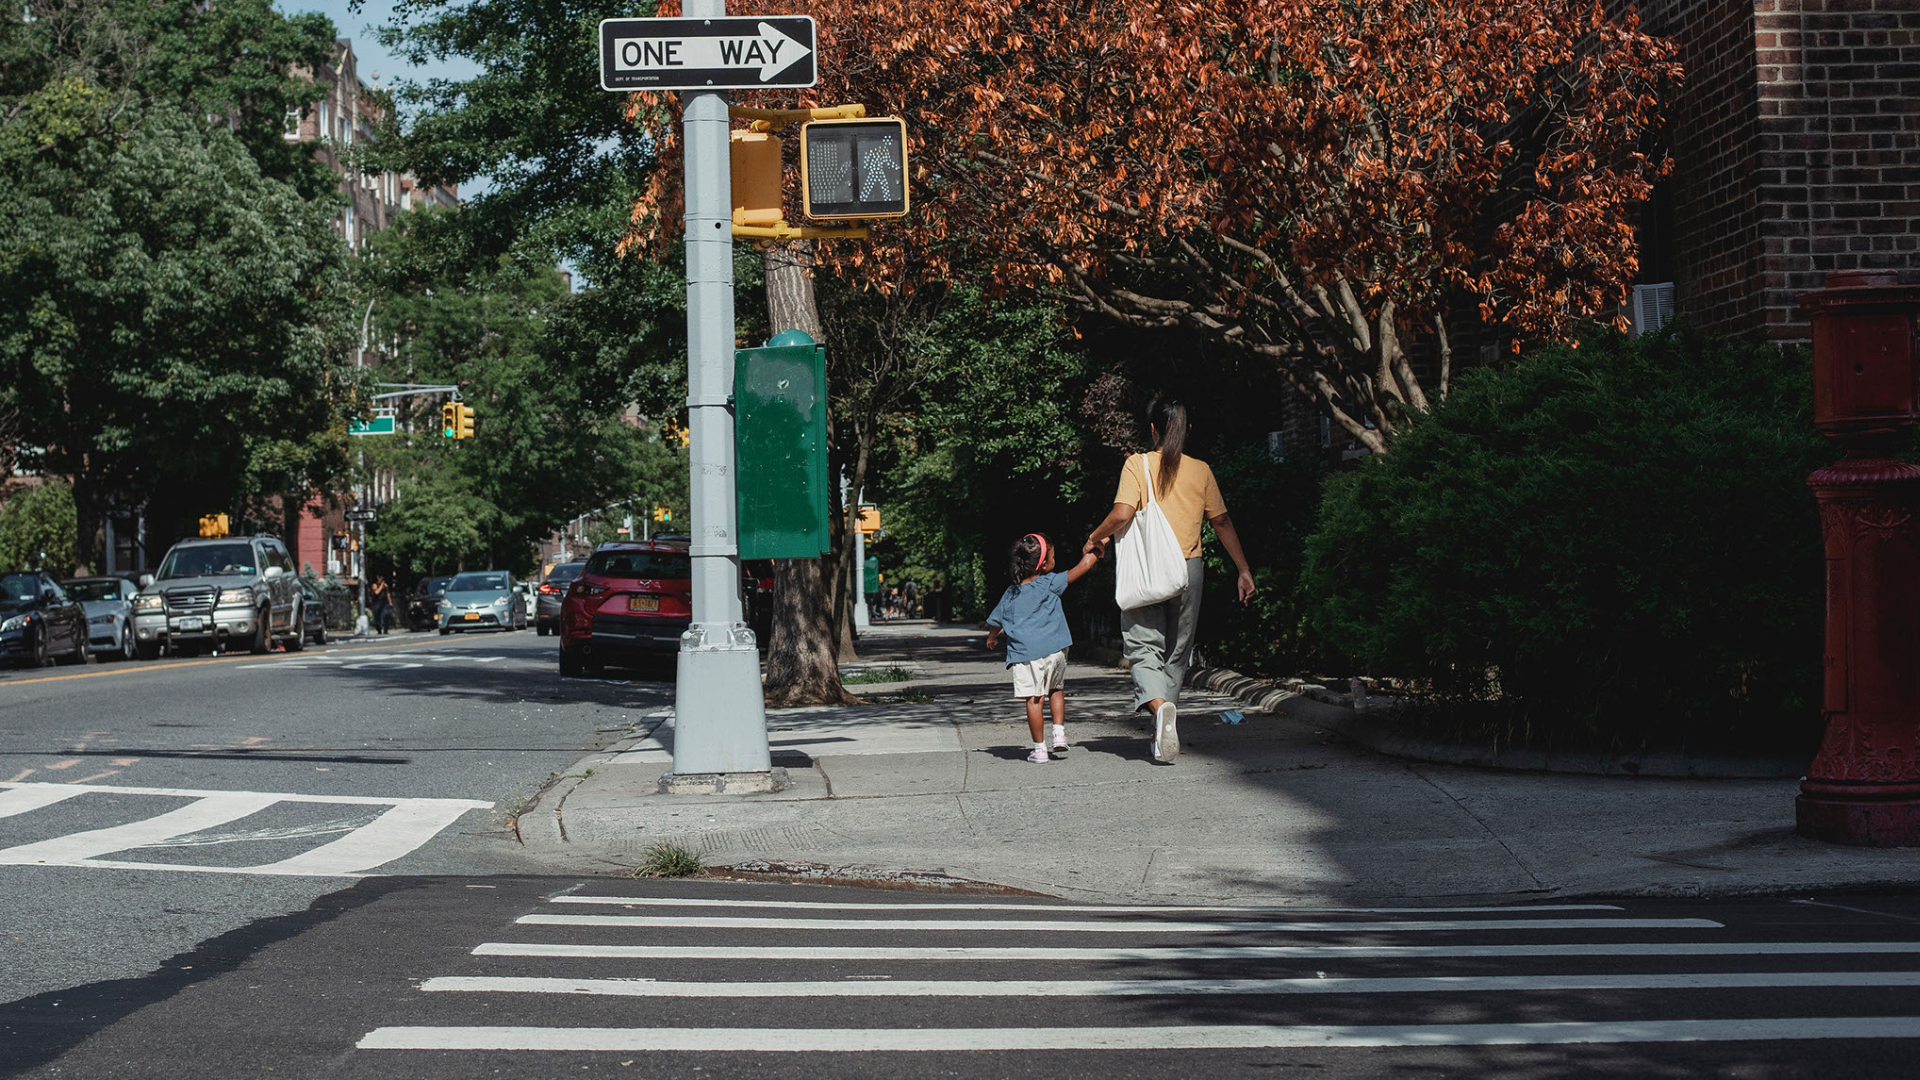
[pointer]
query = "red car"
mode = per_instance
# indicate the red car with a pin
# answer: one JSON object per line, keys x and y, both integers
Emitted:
{"x": 629, "y": 606}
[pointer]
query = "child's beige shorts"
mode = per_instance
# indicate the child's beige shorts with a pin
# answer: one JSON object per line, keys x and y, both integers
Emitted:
{"x": 1038, "y": 678}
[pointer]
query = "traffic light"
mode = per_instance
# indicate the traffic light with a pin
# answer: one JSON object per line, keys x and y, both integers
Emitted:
{"x": 757, "y": 187}
{"x": 213, "y": 525}
{"x": 663, "y": 514}
{"x": 449, "y": 414}
{"x": 854, "y": 168}
{"x": 462, "y": 421}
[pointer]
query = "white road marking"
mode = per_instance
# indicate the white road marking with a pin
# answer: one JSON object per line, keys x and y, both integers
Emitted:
{"x": 77, "y": 848}
{"x": 1025, "y": 988}
{"x": 1209, "y": 952}
{"x": 291, "y": 832}
{"x": 1138, "y": 1037}
{"x": 1061, "y": 926}
{"x": 1117, "y": 909}
{"x": 406, "y": 825}
{"x": 19, "y": 800}
{"x": 379, "y": 665}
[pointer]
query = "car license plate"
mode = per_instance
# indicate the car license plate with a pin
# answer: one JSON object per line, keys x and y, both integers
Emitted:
{"x": 472, "y": 616}
{"x": 190, "y": 624}
{"x": 643, "y": 603}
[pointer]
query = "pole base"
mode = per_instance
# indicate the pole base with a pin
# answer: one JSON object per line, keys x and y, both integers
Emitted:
{"x": 1863, "y": 822}
{"x": 738, "y": 783}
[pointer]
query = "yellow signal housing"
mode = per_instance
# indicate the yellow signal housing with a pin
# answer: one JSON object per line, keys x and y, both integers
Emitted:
{"x": 757, "y": 188}
{"x": 869, "y": 520}
{"x": 213, "y": 525}
{"x": 854, "y": 168}
{"x": 463, "y": 421}
{"x": 449, "y": 419}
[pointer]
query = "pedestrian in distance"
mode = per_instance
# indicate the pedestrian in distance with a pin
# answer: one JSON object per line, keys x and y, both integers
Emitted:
{"x": 1158, "y": 637}
{"x": 1031, "y": 623}
{"x": 382, "y": 605}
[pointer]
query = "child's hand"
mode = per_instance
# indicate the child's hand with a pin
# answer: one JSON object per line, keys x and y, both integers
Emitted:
{"x": 993, "y": 638}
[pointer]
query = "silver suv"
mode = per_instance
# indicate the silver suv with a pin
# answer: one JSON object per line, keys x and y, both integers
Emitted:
{"x": 220, "y": 592}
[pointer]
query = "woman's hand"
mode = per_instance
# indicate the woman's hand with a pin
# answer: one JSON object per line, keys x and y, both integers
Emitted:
{"x": 1246, "y": 585}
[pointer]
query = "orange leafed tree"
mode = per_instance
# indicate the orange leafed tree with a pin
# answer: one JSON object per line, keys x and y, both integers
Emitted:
{"x": 1325, "y": 184}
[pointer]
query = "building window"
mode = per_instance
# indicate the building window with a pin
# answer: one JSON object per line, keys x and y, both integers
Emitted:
{"x": 1652, "y": 307}
{"x": 290, "y": 127}
{"x": 1276, "y": 446}
{"x": 1326, "y": 432}
{"x": 326, "y": 119}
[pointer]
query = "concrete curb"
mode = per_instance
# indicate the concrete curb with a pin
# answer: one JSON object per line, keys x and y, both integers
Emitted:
{"x": 1378, "y": 733}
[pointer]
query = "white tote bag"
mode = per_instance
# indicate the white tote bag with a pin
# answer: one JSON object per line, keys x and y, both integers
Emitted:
{"x": 1149, "y": 565}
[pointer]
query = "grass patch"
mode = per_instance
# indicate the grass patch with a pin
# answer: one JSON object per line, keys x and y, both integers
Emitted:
{"x": 666, "y": 859}
{"x": 877, "y": 675}
{"x": 914, "y": 697}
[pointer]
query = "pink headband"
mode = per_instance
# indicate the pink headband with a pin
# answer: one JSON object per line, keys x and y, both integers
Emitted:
{"x": 1042, "y": 541}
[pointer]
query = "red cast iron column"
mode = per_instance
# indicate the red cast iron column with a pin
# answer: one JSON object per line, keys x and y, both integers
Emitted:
{"x": 1864, "y": 786}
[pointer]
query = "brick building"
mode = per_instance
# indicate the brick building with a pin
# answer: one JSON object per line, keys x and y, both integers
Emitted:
{"x": 1797, "y": 151}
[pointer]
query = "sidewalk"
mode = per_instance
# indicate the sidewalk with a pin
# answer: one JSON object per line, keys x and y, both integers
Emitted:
{"x": 1278, "y": 809}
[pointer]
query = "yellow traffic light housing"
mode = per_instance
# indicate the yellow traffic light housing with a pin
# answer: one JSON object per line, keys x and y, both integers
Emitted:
{"x": 757, "y": 187}
{"x": 213, "y": 525}
{"x": 463, "y": 421}
{"x": 854, "y": 168}
{"x": 449, "y": 419}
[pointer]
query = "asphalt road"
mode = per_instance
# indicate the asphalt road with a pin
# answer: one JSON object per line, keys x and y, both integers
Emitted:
{"x": 302, "y": 865}
{"x": 549, "y": 977}
{"x": 436, "y": 739}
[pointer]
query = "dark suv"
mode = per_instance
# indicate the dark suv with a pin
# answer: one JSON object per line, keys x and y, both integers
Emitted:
{"x": 546, "y": 609}
{"x": 216, "y": 592}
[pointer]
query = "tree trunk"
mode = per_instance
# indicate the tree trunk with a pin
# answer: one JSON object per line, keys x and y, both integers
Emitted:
{"x": 802, "y": 668}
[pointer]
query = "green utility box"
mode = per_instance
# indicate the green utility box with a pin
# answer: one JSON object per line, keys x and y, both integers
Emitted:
{"x": 872, "y": 584}
{"x": 780, "y": 448}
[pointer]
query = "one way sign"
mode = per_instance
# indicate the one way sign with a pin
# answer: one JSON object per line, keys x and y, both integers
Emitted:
{"x": 706, "y": 54}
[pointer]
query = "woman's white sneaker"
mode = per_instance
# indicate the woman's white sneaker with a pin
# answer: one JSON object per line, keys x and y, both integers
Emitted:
{"x": 1166, "y": 732}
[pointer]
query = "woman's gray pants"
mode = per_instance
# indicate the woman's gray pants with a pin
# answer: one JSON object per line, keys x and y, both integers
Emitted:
{"x": 1159, "y": 641}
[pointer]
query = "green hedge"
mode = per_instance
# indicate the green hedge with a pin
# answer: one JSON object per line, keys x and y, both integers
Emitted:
{"x": 1614, "y": 543}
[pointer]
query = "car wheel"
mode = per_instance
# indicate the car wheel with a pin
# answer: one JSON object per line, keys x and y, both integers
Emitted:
{"x": 445, "y": 630}
{"x": 40, "y": 656}
{"x": 127, "y": 646}
{"x": 80, "y": 654}
{"x": 320, "y": 636}
{"x": 263, "y": 633}
{"x": 147, "y": 650}
{"x": 570, "y": 665}
{"x": 298, "y": 639}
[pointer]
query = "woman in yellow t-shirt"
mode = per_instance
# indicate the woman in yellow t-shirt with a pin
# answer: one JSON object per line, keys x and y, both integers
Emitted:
{"x": 1159, "y": 637}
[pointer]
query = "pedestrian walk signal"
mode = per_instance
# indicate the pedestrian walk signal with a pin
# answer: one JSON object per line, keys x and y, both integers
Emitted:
{"x": 854, "y": 168}
{"x": 662, "y": 514}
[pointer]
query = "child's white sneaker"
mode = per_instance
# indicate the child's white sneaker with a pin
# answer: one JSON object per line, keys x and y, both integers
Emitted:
{"x": 1166, "y": 733}
{"x": 1039, "y": 755}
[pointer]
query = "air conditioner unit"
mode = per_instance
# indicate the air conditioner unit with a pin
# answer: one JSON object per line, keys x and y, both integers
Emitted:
{"x": 1652, "y": 307}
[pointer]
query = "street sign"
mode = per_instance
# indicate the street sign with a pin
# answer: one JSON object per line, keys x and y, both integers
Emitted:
{"x": 379, "y": 425}
{"x": 707, "y": 54}
{"x": 360, "y": 515}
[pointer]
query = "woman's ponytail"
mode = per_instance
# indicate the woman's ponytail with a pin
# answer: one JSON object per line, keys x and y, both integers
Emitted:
{"x": 1169, "y": 418}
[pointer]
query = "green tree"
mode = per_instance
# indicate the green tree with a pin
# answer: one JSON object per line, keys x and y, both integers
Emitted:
{"x": 169, "y": 295}
{"x": 37, "y": 529}
{"x": 552, "y": 436}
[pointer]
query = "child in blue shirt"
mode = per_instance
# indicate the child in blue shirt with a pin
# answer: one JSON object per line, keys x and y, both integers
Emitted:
{"x": 1034, "y": 628}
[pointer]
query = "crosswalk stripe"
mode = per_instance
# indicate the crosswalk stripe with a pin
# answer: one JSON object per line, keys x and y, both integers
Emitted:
{"x": 1142, "y": 1037}
{"x": 384, "y": 839}
{"x": 1218, "y": 952}
{"x": 200, "y": 814}
{"x": 1109, "y": 927}
{"x": 21, "y": 799}
{"x": 651, "y": 988}
{"x": 1116, "y": 909}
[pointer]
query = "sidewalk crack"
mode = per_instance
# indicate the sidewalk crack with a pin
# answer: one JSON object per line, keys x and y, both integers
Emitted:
{"x": 1465, "y": 809}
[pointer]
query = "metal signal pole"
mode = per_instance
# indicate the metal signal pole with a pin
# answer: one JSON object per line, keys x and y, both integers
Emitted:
{"x": 720, "y": 721}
